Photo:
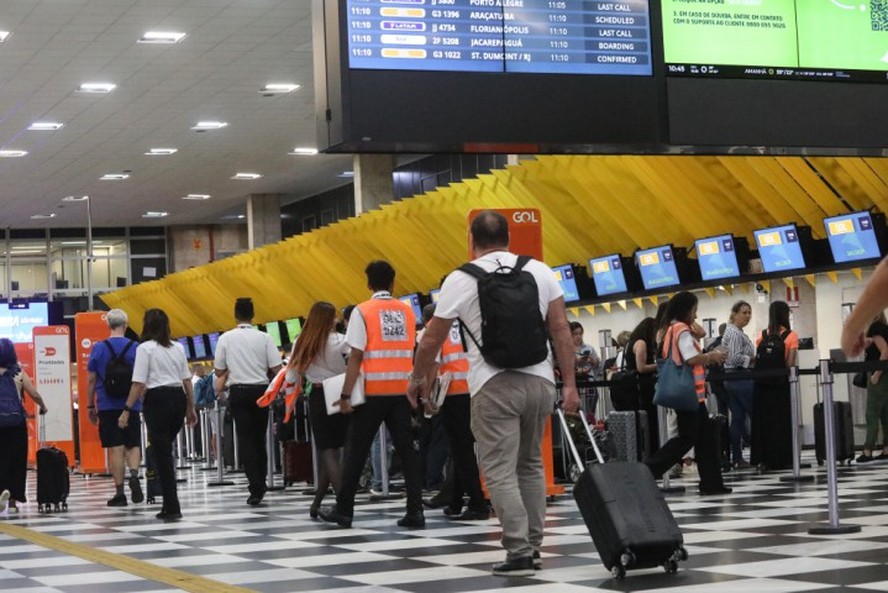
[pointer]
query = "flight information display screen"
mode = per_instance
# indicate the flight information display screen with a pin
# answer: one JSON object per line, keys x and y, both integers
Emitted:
{"x": 200, "y": 348}
{"x": 657, "y": 267}
{"x": 717, "y": 258}
{"x": 413, "y": 300}
{"x": 852, "y": 237}
{"x": 568, "y": 282}
{"x": 607, "y": 273}
{"x": 528, "y": 36}
{"x": 779, "y": 39}
{"x": 17, "y": 322}
{"x": 779, "y": 248}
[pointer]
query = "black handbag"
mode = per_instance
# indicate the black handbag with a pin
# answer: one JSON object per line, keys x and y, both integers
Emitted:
{"x": 859, "y": 380}
{"x": 624, "y": 388}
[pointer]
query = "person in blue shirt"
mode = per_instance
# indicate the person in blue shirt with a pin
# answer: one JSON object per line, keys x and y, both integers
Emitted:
{"x": 123, "y": 444}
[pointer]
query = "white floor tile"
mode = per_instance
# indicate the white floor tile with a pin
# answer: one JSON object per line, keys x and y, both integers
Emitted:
{"x": 784, "y": 567}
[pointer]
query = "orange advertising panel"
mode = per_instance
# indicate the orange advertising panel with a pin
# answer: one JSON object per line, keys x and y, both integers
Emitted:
{"x": 89, "y": 328}
{"x": 526, "y": 238}
{"x": 24, "y": 352}
{"x": 52, "y": 376}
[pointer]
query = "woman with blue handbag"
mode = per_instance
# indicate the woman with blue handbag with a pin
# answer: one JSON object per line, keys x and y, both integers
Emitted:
{"x": 681, "y": 385}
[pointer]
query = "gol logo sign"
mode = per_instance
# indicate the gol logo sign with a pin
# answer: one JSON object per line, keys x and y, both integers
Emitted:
{"x": 525, "y": 217}
{"x": 48, "y": 351}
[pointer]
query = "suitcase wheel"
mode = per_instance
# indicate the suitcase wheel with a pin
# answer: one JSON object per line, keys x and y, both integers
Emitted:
{"x": 619, "y": 572}
{"x": 627, "y": 559}
{"x": 150, "y": 500}
{"x": 681, "y": 554}
{"x": 670, "y": 566}
{"x": 64, "y": 506}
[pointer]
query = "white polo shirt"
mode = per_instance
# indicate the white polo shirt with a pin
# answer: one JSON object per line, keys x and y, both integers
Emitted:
{"x": 247, "y": 354}
{"x": 156, "y": 366}
{"x": 459, "y": 298}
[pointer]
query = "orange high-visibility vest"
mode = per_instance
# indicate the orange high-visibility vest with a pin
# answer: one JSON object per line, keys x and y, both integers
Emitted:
{"x": 388, "y": 357}
{"x": 672, "y": 335}
{"x": 455, "y": 360}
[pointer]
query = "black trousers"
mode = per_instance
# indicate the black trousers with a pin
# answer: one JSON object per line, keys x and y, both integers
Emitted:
{"x": 14, "y": 461}
{"x": 456, "y": 415}
{"x": 693, "y": 431}
{"x": 394, "y": 410}
{"x": 251, "y": 425}
{"x": 164, "y": 411}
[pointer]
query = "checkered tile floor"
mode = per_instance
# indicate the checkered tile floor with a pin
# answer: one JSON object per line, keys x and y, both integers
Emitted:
{"x": 752, "y": 540}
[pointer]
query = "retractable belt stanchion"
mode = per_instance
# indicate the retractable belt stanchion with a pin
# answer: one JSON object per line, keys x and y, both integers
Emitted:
{"x": 829, "y": 428}
{"x": 236, "y": 469}
{"x": 666, "y": 487}
{"x": 181, "y": 449}
{"x": 206, "y": 433}
{"x": 220, "y": 456}
{"x": 144, "y": 431}
{"x": 384, "y": 468}
{"x": 795, "y": 403}
{"x": 269, "y": 441}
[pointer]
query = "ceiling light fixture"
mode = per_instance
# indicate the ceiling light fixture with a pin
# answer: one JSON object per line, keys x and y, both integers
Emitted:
{"x": 279, "y": 88}
{"x": 75, "y": 198}
{"x": 45, "y": 126}
{"x": 114, "y": 177}
{"x": 151, "y": 214}
{"x": 161, "y": 151}
{"x": 97, "y": 88}
{"x": 167, "y": 37}
{"x": 42, "y": 216}
{"x": 203, "y": 126}
{"x": 346, "y": 174}
{"x": 246, "y": 176}
{"x": 197, "y": 197}
{"x": 4, "y": 35}
{"x": 12, "y": 154}
{"x": 303, "y": 151}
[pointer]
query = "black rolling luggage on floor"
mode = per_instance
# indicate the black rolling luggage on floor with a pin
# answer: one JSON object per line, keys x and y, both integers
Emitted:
{"x": 844, "y": 432}
{"x": 53, "y": 479}
{"x": 626, "y": 514}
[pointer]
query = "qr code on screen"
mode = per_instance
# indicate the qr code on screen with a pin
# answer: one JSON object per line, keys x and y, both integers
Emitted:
{"x": 879, "y": 14}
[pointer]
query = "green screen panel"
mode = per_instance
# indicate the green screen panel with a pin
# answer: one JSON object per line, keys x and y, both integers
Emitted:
{"x": 843, "y": 34}
{"x": 294, "y": 328}
{"x": 704, "y": 32}
{"x": 274, "y": 330}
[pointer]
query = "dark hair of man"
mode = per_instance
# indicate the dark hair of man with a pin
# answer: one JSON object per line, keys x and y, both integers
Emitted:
{"x": 156, "y": 326}
{"x": 428, "y": 312}
{"x": 313, "y": 340}
{"x": 778, "y": 316}
{"x": 380, "y": 275}
{"x": 243, "y": 309}
{"x": 490, "y": 229}
{"x": 8, "y": 358}
{"x": 680, "y": 307}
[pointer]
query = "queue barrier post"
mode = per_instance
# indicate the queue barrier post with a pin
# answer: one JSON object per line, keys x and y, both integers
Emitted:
{"x": 829, "y": 427}
{"x": 666, "y": 487}
{"x": 269, "y": 442}
{"x": 220, "y": 463}
{"x": 795, "y": 409}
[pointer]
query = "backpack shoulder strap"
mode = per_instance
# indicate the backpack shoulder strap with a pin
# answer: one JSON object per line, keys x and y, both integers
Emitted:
{"x": 126, "y": 348}
{"x": 110, "y": 348}
{"x": 785, "y": 335}
{"x": 472, "y": 270}
{"x": 522, "y": 261}
{"x": 464, "y": 329}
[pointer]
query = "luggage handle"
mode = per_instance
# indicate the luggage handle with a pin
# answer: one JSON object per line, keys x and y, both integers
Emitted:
{"x": 41, "y": 431}
{"x": 570, "y": 441}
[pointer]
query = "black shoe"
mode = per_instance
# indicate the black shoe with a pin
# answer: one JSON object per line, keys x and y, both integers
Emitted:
{"x": 715, "y": 491}
{"x": 537, "y": 560}
{"x": 414, "y": 520}
{"x": 119, "y": 500}
{"x": 518, "y": 567}
{"x": 452, "y": 512}
{"x": 470, "y": 515}
{"x": 254, "y": 500}
{"x": 332, "y": 515}
{"x": 169, "y": 515}
{"x": 434, "y": 502}
{"x": 135, "y": 486}
{"x": 313, "y": 512}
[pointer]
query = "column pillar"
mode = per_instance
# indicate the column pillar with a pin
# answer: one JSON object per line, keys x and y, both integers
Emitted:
{"x": 263, "y": 219}
{"x": 373, "y": 181}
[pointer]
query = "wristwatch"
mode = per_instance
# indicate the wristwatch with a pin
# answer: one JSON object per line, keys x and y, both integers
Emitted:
{"x": 127, "y": 409}
{"x": 345, "y": 396}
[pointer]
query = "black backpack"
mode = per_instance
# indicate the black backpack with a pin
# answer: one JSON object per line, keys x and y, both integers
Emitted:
{"x": 513, "y": 332}
{"x": 118, "y": 373}
{"x": 771, "y": 354}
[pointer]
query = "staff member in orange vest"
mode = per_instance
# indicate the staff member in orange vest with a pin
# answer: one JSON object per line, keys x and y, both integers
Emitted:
{"x": 381, "y": 333}
{"x": 456, "y": 414}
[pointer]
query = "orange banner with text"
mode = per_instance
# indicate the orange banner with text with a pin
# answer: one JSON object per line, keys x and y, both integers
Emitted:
{"x": 52, "y": 376}
{"x": 24, "y": 352}
{"x": 89, "y": 328}
{"x": 526, "y": 238}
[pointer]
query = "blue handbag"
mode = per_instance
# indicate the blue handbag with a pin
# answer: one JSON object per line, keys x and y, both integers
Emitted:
{"x": 675, "y": 384}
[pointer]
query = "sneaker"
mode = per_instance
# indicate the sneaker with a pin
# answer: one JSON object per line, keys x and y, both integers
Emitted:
{"x": 470, "y": 515}
{"x": 374, "y": 493}
{"x": 118, "y": 500}
{"x": 4, "y": 498}
{"x": 864, "y": 458}
{"x": 332, "y": 515}
{"x": 169, "y": 515}
{"x": 254, "y": 500}
{"x": 135, "y": 486}
{"x": 517, "y": 567}
{"x": 675, "y": 472}
{"x": 537, "y": 560}
{"x": 742, "y": 465}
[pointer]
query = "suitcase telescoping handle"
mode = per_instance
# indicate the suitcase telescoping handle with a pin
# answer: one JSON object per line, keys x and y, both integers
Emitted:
{"x": 41, "y": 431}
{"x": 573, "y": 447}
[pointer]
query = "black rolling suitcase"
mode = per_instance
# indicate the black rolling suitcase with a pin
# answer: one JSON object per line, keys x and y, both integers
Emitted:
{"x": 721, "y": 436}
{"x": 53, "y": 478}
{"x": 844, "y": 432}
{"x": 626, "y": 514}
{"x": 153, "y": 489}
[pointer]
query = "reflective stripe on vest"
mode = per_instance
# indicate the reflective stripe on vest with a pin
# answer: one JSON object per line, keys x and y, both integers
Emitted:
{"x": 455, "y": 360}
{"x": 388, "y": 356}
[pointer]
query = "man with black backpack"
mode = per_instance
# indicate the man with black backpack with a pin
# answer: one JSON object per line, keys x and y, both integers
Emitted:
{"x": 110, "y": 369}
{"x": 508, "y": 307}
